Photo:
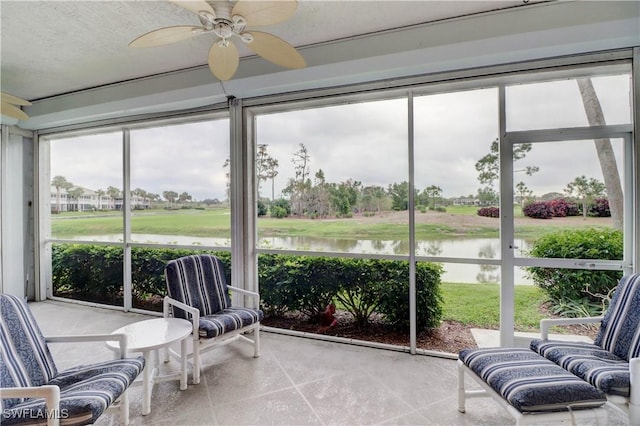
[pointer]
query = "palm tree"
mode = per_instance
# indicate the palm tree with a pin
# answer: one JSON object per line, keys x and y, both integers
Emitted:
{"x": 75, "y": 194}
{"x": 60, "y": 182}
{"x": 100, "y": 193}
{"x": 113, "y": 193}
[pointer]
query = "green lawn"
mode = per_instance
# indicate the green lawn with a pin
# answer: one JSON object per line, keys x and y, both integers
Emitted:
{"x": 479, "y": 305}
{"x": 217, "y": 223}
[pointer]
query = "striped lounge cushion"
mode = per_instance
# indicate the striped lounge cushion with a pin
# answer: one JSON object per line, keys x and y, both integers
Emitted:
{"x": 25, "y": 358}
{"x": 85, "y": 393}
{"x": 228, "y": 320}
{"x": 620, "y": 330}
{"x": 529, "y": 382}
{"x": 601, "y": 368}
{"x": 197, "y": 281}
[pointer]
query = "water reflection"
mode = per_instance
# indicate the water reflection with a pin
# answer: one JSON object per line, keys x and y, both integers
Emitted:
{"x": 483, "y": 248}
{"x": 488, "y": 273}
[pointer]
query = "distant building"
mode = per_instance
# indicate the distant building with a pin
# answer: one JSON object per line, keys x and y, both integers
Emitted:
{"x": 90, "y": 201}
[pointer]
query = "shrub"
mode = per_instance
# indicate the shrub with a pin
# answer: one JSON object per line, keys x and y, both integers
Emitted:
{"x": 87, "y": 272}
{"x": 94, "y": 273}
{"x": 570, "y": 286}
{"x": 278, "y": 212}
{"x": 600, "y": 208}
{"x": 489, "y": 211}
{"x": 563, "y": 208}
{"x": 280, "y": 208}
{"x": 262, "y": 208}
{"x": 538, "y": 210}
{"x": 394, "y": 296}
{"x": 287, "y": 282}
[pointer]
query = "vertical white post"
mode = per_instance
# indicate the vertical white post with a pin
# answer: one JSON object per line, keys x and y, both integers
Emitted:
{"x": 506, "y": 227}
{"x": 126, "y": 218}
{"x": 412, "y": 237}
{"x": 43, "y": 218}
{"x": 12, "y": 212}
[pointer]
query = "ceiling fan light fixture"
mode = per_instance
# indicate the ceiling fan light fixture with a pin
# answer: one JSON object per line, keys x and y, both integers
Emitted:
{"x": 222, "y": 28}
{"x": 227, "y": 19}
{"x": 246, "y": 37}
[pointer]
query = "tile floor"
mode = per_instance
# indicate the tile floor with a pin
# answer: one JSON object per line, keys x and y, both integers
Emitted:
{"x": 296, "y": 381}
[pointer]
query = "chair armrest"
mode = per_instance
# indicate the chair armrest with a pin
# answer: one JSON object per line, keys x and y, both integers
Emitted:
{"x": 50, "y": 393}
{"x": 121, "y": 338}
{"x": 195, "y": 313}
{"x": 547, "y": 323}
{"x": 252, "y": 294}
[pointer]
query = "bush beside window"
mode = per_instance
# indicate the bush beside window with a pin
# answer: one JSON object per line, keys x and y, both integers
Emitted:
{"x": 305, "y": 284}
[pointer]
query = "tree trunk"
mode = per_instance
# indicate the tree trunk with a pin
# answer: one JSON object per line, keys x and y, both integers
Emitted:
{"x": 605, "y": 152}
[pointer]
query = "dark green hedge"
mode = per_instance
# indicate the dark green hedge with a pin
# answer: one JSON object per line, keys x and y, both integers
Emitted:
{"x": 287, "y": 283}
{"x": 578, "y": 288}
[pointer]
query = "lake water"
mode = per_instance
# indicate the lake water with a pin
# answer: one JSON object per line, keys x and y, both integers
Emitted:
{"x": 483, "y": 248}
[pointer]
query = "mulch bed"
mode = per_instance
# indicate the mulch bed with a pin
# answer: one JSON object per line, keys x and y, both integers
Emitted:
{"x": 450, "y": 337}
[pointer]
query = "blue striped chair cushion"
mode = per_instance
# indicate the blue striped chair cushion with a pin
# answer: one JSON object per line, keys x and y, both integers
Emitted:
{"x": 198, "y": 281}
{"x": 529, "y": 382}
{"x": 85, "y": 393}
{"x": 591, "y": 363}
{"x": 620, "y": 331}
{"x": 228, "y": 320}
{"x": 25, "y": 360}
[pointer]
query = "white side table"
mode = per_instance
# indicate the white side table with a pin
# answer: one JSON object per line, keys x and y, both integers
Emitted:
{"x": 149, "y": 337}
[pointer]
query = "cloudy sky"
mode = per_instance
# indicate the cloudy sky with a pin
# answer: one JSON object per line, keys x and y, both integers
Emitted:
{"x": 365, "y": 142}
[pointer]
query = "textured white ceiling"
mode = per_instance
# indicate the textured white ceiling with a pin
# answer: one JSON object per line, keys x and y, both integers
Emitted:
{"x": 55, "y": 47}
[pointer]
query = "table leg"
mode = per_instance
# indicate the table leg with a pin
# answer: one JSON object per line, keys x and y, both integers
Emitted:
{"x": 183, "y": 364}
{"x": 146, "y": 383}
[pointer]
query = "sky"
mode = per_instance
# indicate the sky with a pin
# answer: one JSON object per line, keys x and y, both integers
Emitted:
{"x": 366, "y": 142}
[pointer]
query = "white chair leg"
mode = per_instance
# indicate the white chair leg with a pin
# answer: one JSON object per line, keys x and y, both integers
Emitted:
{"x": 256, "y": 342}
{"x": 124, "y": 407}
{"x": 196, "y": 361}
{"x": 461, "y": 390}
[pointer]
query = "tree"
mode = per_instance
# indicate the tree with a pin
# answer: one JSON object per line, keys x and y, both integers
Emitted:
{"x": 300, "y": 184}
{"x": 184, "y": 197}
{"x": 140, "y": 194}
{"x": 100, "y": 193}
{"x": 60, "y": 182}
{"x": 227, "y": 174}
{"x": 488, "y": 167}
{"x": 399, "y": 193}
{"x": 271, "y": 173}
{"x": 523, "y": 192}
{"x": 431, "y": 195}
{"x": 75, "y": 194}
{"x": 113, "y": 193}
{"x": 487, "y": 195}
{"x": 317, "y": 202}
{"x": 585, "y": 190}
{"x": 266, "y": 168}
{"x": 372, "y": 198}
{"x": 170, "y": 196}
{"x": 605, "y": 152}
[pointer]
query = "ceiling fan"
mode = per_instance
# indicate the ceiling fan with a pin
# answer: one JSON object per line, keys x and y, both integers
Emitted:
{"x": 10, "y": 106}
{"x": 227, "y": 21}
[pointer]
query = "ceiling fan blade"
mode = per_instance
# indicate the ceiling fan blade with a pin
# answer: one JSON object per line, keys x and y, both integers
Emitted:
{"x": 165, "y": 35}
{"x": 223, "y": 60}
{"x": 195, "y": 6}
{"x": 276, "y": 50}
{"x": 265, "y": 12}
{"x": 12, "y": 111}
{"x": 10, "y": 99}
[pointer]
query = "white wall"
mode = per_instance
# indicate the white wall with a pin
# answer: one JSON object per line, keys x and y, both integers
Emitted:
{"x": 12, "y": 215}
